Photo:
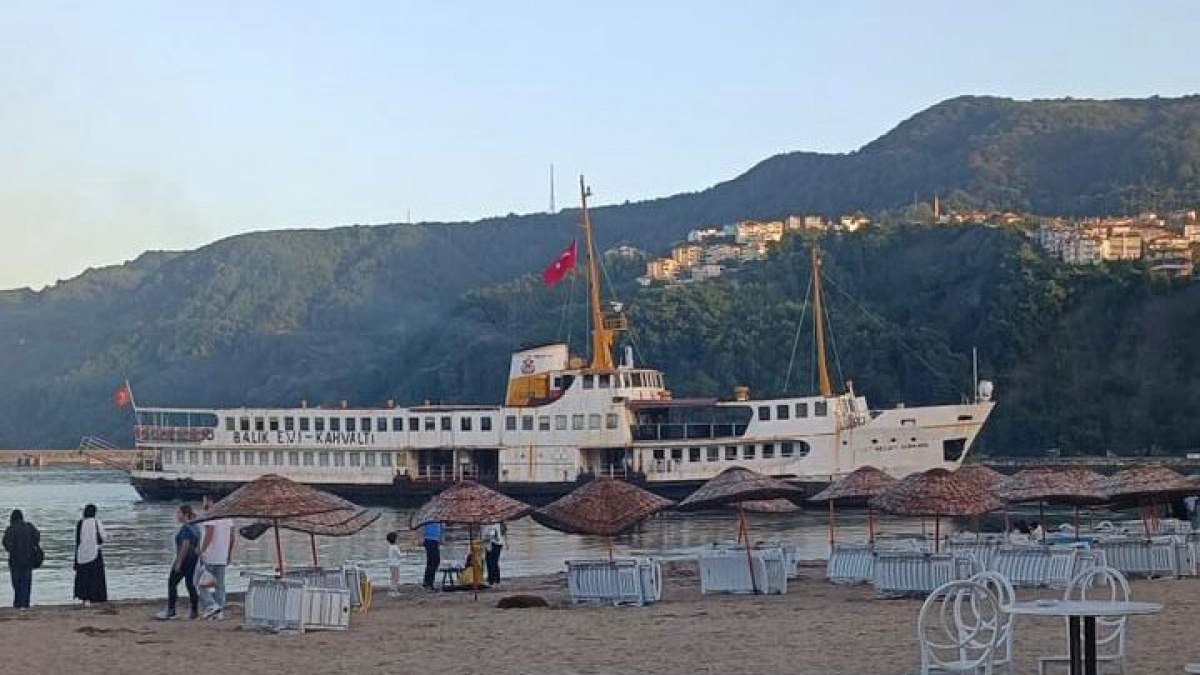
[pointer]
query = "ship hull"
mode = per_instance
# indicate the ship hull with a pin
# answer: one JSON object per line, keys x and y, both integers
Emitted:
{"x": 407, "y": 493}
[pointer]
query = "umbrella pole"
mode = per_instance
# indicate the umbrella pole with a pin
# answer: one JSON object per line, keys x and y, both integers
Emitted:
{"x": 474, "y": 562}
{"x": 1007, "y": 527}
{"x": 749, "y": 557}
{"x": 312, "y": 540}
{"x": 870, "y": 524}
{"x": 831, "y": 536}
{"x": 937, "y": 533}
{"x": 278, "y": 548}
{"x": 1076, "y": 522}
{"x": 1042, "y": 518}
{"x": 610, "y": 553}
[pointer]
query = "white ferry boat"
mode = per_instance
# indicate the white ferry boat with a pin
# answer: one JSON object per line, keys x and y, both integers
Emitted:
{"x": 564, "y": 421}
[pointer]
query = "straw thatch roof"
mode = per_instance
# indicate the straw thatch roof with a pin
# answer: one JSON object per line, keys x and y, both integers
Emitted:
{"x": 983, "y": 476}
{"x": 737, "y": 484}
{"x": 771, "y": 506}
{"x": 937, "y": 492}
{"x": 331, "y": 524}
{"x": 602, "y": 507}
{"x": 862, "y": 483}
{"x": 1075, "y": 485}
{"x": 1147, "y": 481}
{"x": 469, "y": 503}
{"x": 272, "y": 497}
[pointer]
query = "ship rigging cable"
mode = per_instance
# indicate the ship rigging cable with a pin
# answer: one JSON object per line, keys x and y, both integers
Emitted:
{"x": 796, "y": 341}
{"x": 892, "y": 328}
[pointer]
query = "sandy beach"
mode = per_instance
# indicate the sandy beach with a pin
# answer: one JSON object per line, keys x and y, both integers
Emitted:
{"x": 815, "y": 628}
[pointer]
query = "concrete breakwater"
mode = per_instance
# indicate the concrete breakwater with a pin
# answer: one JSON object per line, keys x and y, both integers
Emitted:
{"x": 37, "y": 458}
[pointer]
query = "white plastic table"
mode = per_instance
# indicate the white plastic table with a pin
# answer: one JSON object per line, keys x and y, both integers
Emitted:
{"x": 1082, "y": 663}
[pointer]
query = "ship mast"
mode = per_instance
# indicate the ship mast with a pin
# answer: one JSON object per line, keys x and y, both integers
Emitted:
{"x": 603, "y": 326}
{"x": 819, "y": 325}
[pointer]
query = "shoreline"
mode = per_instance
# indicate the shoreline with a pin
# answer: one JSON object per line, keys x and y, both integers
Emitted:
{"x": 816, "y": 627}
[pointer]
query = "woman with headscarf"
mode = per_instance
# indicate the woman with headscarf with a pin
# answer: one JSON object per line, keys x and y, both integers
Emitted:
{"x": 90, "y": 584}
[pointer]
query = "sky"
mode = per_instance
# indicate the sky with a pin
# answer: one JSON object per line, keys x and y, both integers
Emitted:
{"x": 129, "y": 126}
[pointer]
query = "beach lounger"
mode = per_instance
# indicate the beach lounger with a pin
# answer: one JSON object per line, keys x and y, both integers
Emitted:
{"x": 276, "y": 605}
{"x": 1060, "y": 568}
{"x": 728, "y": 571}
{"x": 850, "y": 564}
{"x": 1023, "y": 566}
{"x": 625, "y": 581}
{"x": 1140, "y": 557}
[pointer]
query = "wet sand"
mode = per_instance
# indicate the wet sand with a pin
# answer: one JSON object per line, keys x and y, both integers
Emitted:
{"x": 815, "y": 628}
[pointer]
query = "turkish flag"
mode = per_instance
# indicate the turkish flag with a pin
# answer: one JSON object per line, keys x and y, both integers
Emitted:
{"x": 123, "y": 397}
{"x": 557, "y": 271}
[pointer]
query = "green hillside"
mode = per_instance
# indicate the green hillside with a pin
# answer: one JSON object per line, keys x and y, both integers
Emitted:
{"x": 429, "y": 311}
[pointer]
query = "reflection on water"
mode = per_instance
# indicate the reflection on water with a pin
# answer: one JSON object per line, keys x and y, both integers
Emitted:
{"x": 139, "y": 549}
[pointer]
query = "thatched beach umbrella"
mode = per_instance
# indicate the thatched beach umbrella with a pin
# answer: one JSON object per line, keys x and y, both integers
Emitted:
{"x": 329, "y": 524}
{"x": 1076, "y": 486}
{"x": 604, "y": 507}
{"x": 737, "y": 485}
{"x": 937, "y": 493}
{"x": 983, "y": 476}
{"x": 274, "y": 498}
{"x": 471, "y": 504}
{"x": 860, "y": 485}
{"x": 1146, "y": 483}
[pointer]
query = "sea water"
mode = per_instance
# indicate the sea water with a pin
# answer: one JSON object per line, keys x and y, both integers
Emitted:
{"x": 139, "y": 548}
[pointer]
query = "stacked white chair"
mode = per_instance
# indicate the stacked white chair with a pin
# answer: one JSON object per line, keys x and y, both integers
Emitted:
{"x": 959, "y": 629}
{"x": 1002, "y": 657}
{"x": 1104, "y": 584}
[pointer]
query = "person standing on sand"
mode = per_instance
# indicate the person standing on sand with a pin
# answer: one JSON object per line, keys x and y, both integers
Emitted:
{"x": 431, "y": 539}
{"x": 493, "y": 536}
{"x": 216, "y": 550}
{"x": 187, "y": 539}
{"x": 395, "y": 559}
{"x": 90, "y": 584}
{"x": 22, "y": 541}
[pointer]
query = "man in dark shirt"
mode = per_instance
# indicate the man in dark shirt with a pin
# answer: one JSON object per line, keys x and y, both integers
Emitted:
{"x": 21, "y": 541}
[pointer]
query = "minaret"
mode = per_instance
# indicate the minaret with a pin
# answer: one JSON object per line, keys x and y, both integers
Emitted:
{"x": 937, "y": 208}
{"x": 552, "y": 209}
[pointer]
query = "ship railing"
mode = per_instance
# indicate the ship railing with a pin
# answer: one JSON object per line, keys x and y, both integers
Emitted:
{"x": 613, "y": 471}
{"x": 143, "y": 433}
{"x": 442, "y": 473}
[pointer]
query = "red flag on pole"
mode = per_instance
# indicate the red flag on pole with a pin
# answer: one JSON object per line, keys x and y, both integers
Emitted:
{"x": 557, "y": 271}
{"x": 123, "y": 396}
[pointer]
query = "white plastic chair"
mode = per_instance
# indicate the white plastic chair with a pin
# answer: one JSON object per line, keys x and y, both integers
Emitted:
{"x": 959, "y": 629}
{"x": 1000, "y": 587}
{"x": 1107, "y": 585}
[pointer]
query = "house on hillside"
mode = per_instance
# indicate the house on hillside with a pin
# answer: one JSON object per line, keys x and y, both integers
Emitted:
{"x": 1170, "y": 256}
{"x": 707, "y": 271}
{"x": 662, "y": 269}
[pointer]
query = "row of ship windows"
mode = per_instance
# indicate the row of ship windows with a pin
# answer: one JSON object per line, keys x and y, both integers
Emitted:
{"x": 712, "y": 453}
{"x": 426, "y": 423}
{"x": 783, "y": 411}
{"x": 277, "y": 458}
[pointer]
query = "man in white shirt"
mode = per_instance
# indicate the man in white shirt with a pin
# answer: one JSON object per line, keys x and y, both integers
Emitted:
{"x": 216, "y": 551}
